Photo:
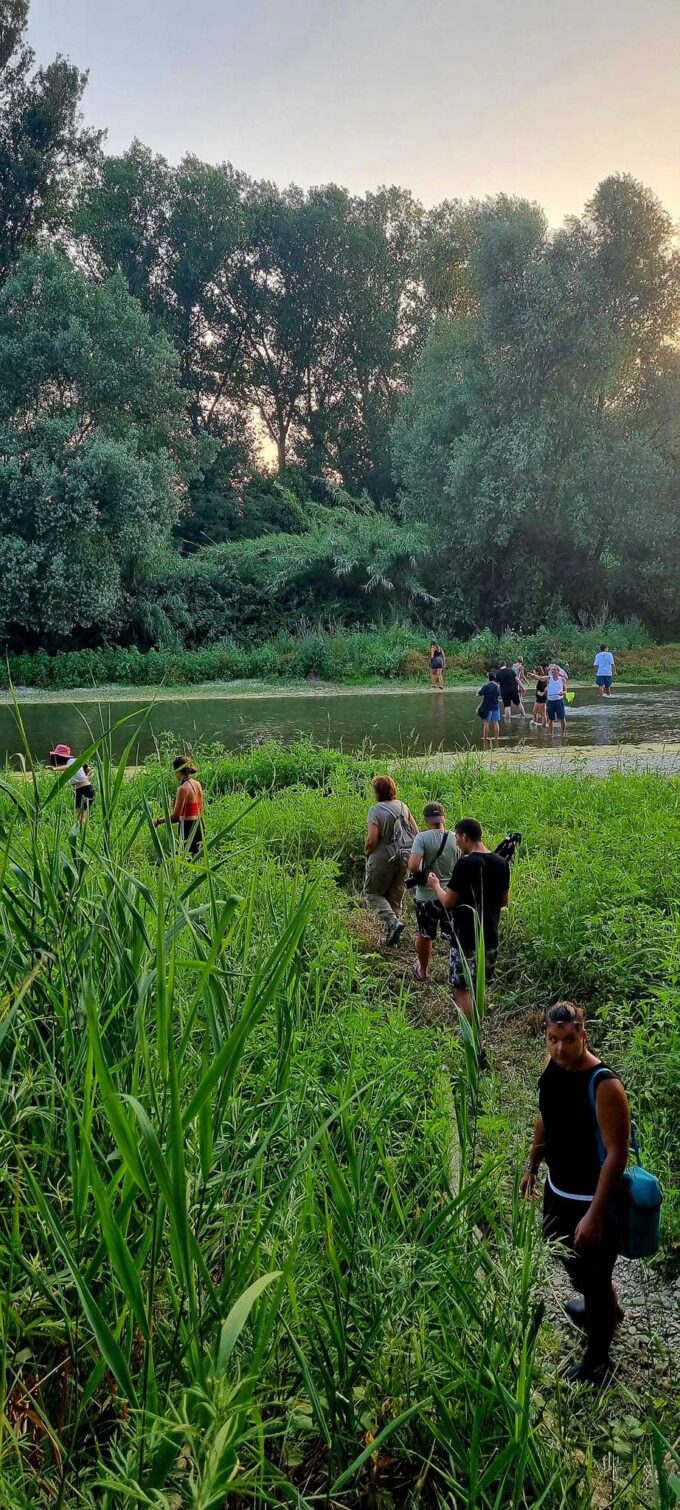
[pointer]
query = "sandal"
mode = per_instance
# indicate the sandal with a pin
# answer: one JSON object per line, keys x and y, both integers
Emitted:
{"x": 417, "y": 971}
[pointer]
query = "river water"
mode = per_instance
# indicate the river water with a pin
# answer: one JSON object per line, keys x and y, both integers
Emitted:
{"x": 389, "y": 722}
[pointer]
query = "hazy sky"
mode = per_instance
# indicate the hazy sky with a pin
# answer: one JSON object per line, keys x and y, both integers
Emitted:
{"x": 537, "y": 97}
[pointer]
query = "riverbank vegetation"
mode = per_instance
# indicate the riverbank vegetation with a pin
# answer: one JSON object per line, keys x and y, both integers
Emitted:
{"x": 358, "y": 658}
{"x": 258, "y": 1224}
{"x": 468, "y": 418}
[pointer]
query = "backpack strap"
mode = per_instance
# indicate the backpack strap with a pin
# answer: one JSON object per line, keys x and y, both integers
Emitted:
{"x": 602, "y": 1073}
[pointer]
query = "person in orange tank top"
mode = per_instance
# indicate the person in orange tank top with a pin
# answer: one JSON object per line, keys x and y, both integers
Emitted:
{"x": 188, "y": 807}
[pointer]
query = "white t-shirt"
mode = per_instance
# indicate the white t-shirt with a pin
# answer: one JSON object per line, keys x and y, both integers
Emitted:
{"x": 555, "y": 687}
{"x": 604, "y": 663}
{"x": 79, "y": 777}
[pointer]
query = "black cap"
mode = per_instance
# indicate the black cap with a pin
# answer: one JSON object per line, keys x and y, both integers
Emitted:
{"x": 433, "y": 810}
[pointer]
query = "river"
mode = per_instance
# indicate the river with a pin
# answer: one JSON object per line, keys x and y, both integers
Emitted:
{"x": 404, "y": 722}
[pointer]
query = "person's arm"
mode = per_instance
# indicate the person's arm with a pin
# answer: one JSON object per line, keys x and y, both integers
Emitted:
{"x": 177, "y": 811}
{"x": 613, "y": 667}
{"x": 447, "y": 897}
{"x": 416, "y": 856}
{"x": 611, "y": 1110}
{"x": 527, "y": 1183}
{"x": 505, "y": 899}
{"x": 372, "y": 838}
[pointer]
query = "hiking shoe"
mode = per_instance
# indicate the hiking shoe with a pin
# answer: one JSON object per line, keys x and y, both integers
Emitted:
{"x": 576, "y": 1311}
{"x": 582, "y": 1372}
{"x": 394, "y": 934}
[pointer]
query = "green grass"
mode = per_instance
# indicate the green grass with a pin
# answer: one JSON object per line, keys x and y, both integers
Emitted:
{"x": 232, "y": 1262}
{"x": 354, "y": 658}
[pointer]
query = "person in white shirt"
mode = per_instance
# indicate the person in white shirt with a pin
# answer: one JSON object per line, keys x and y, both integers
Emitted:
{"x": 555, "y": 705}
{"x": 605, "y": 670}
{"x": 79, "y": 779}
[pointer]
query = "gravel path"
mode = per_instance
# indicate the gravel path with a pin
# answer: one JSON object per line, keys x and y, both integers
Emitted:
{"x": 589, "y": 760}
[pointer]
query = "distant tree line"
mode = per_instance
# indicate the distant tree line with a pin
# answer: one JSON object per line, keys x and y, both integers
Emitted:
{"x": 465, "y": 419}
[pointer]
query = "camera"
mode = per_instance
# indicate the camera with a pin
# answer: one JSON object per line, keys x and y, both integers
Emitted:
{"x": 415, "y": 878}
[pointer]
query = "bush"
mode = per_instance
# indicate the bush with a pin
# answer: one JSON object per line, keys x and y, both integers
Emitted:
{"x": 360, "y": 656}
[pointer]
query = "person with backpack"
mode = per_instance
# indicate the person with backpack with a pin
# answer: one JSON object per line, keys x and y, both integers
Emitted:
{"x": 390, "y": 832}
{"x": 479, "y": 887}
{"x": 489, "y": 708}
{"x": 433, "y": 850}
{"x": 581, "y": 1101}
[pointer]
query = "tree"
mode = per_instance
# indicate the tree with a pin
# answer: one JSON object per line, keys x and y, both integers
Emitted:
{"x": 90, "y": 450}
{"x": 536, "y": 439}
{"x": 43, "y": 146}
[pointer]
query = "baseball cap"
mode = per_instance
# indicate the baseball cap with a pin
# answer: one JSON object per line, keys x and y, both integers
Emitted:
{"x": 433, "y": 810}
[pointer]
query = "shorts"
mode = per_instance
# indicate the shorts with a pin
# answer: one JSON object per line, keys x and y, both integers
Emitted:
{"x": 510, "y": 698}
{"x": 463, "y": 967}
{"x": 436, "y": 665}
{"x": 191, "y": 834}
{"x": 541, "y": 698}
{"x": 603, "y": 681}
{"x": 85, "y": 796}
{"x": 491, "y": 715}
{"x": 432, "y": 918}
{"x": 555, "y": 709}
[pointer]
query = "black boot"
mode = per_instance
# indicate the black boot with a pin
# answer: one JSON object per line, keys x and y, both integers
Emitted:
{"x": 576, "y": 1311}
{"x": 584, "y": 1372}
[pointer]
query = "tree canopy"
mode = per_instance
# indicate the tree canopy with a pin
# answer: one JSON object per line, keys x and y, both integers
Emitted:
{"x": 468, "y": 409}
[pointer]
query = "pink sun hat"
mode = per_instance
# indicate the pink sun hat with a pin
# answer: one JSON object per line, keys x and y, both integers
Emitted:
{"x": 61, "y": 750}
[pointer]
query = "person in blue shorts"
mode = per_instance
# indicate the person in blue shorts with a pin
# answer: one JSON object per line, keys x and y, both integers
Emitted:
{"x": 555, "y": 703}
{"x": 605, "y": 670}
{"x": 489, "y": 709}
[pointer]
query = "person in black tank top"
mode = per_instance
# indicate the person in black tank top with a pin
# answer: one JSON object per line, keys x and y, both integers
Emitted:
{"x": 579, "y": 1206}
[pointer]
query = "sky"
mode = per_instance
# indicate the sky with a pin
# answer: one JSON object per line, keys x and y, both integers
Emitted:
{"x": 541, "y": 98}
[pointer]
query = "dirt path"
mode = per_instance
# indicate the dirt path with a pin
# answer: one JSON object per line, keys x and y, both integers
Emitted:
{"x": 647, "y": 1346}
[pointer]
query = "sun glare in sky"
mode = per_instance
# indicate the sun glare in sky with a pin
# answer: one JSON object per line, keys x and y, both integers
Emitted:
{"x": 541, "y": 98}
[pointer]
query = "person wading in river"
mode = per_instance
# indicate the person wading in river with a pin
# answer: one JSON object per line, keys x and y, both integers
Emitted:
{"x": 437, "y": 663}
{"x": 578, "y": 1202}
{"x": 390, "y": 832}
{"x": 188, "y": 807}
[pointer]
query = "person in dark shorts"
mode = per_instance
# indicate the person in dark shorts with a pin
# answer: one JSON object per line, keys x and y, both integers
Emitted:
{"x": 489, "y": 708}
{"x": 538, "y": 713}
{"x": 437, "y": 663}
{"x": 579, "y": 1209}
{"x": 433, "y": 850}
{"x": 188, "y": 806}
{"x": 506, "y": 676}
{"x": 605, "y": 670}
{"x": 83, "y": 790}
{"x": 477, "y": 890}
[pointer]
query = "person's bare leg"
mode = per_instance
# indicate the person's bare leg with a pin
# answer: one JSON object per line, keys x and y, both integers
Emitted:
{"x": 462, "y": 1000}
{"x": 424, "y": 952}
{"x": 485, "y": 732}
{"x": 496, "y": 730}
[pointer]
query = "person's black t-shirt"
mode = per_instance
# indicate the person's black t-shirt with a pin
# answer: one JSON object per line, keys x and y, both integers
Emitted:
{"x": 480, "y": 879}
{"x": 507, "y": 681}
{"x": 490, "y": 695}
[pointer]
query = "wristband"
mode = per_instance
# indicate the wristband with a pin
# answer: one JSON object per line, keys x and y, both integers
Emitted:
{"x": 530, "y": 1168}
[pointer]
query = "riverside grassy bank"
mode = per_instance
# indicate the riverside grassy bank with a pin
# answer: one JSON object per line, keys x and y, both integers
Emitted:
{"x": 234, "y": 1264}
{"x": 340, "y": 658}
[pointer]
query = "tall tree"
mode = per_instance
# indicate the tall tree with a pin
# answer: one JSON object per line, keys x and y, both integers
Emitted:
{"x": 90, "y": 450}
{"x": 536, "y": 460}
{"x": 43, "y": 146}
